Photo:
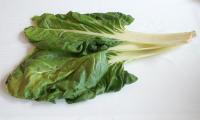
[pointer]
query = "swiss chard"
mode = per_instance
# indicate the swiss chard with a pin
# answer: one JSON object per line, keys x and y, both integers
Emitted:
{"x": 50, "y": 75}
{"x": 87, "y": 33}
{"x": 79, "y": 56}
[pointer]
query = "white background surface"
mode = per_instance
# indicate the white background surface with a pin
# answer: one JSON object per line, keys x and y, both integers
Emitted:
{"x": 168, "y": 87}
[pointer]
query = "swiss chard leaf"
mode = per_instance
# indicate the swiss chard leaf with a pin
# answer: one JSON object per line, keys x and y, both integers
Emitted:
{"x": 51, "y": 75}
{"x": 77, "y": 33}
{"x": 72, "y": 42}
{"x": 82, "y": 34}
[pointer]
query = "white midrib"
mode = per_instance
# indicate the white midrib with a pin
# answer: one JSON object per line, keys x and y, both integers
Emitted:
{"x": 84, "y": 32}
{"x": 142, "y": 38}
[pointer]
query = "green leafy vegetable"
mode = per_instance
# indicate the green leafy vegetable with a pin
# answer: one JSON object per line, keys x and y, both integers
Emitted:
{"x": 79, "y": 56}
{"x": 87, "y": 33}
{"x": 51, "y": 75}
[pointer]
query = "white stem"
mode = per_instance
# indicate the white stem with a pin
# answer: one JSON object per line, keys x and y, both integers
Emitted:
{"x": 165, "y": 39}
{"x": 142, "y": 45}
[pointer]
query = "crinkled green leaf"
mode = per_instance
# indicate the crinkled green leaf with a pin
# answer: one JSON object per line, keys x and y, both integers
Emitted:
{"x": 83, "y": 34}
{"x": 77, "y": 33}
{"x": 68, "y": 41}
{"x": 52, "y": 75}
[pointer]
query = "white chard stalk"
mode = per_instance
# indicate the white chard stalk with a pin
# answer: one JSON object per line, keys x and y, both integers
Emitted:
{"x": 139, "y": 45}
